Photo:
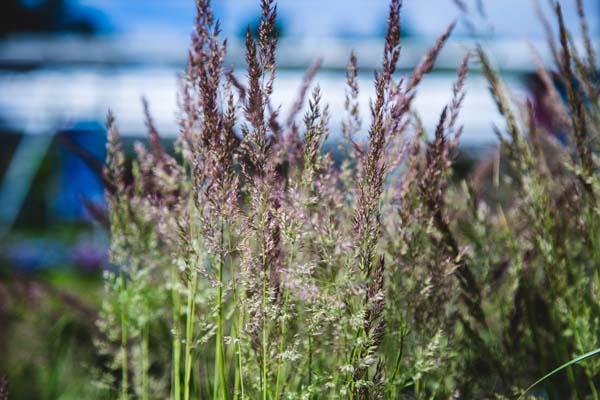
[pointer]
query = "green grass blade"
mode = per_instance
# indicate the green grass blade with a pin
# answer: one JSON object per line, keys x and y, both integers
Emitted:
{"x": 574, "y": 361}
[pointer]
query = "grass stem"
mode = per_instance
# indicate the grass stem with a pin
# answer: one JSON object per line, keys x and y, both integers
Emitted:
{"x": 176, "y": 373}
{"x": 189, "y": 332}
{"x": 124, "y": 355}
{"x": 220, "y": 384}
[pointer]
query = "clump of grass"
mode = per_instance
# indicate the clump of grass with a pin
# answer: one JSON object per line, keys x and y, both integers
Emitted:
{"x": 251, "y": 266}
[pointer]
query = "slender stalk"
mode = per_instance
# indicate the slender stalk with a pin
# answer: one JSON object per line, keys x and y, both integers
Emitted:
{"x": 281, "y": 349}
{"x": 241, "y": 371}
{"x": 264, "y": 327}
{"x": 397, "y": 364}
{"x": 145, "y": 361}
{"x": 310, "y": 356}
{"x": 283, "y": 329}
{"x": 418, "y": 389}
{"x": 264, "y": 337}
{"x": 236, "y": 380}
{"x": 176, "y": 345}
{"x": 189, "y": 332}
{"x": 229, "y": 354}
{"x": 124, "y": 367}
{"x": 219, "y": 379}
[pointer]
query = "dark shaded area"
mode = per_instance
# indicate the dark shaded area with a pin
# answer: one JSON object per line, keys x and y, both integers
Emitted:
{"x": 9, "y": 141}
{"x": 46, "y": 16}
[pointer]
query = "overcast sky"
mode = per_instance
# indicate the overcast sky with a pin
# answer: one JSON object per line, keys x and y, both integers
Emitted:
{"x": 509, "y": 18}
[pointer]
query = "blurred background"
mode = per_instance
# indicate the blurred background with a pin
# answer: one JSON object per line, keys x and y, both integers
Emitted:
{"x": 64, "y": 63}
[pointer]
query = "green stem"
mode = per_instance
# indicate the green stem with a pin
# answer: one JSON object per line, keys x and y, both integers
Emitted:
{"x": 310, "y": 356}
{"x": 264, "y": 327}
{"x": 281, "y": 349}
{"x": 417, "y": 389}
{"x": 220, "y": 385}
{"x": 241, "y": 371}
{"x": 176, "y": 345}
{"x": 240, "y": 361}
{"x": 398, "y": 360}
{"x": 264, "y": 336}
{"x": 189, "y": 332}
{"x": 124, "y": 367}
{"x": 145, "y": 361}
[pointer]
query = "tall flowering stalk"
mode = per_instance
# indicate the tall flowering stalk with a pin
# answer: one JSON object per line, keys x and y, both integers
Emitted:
{"x": 208, "y": 131}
